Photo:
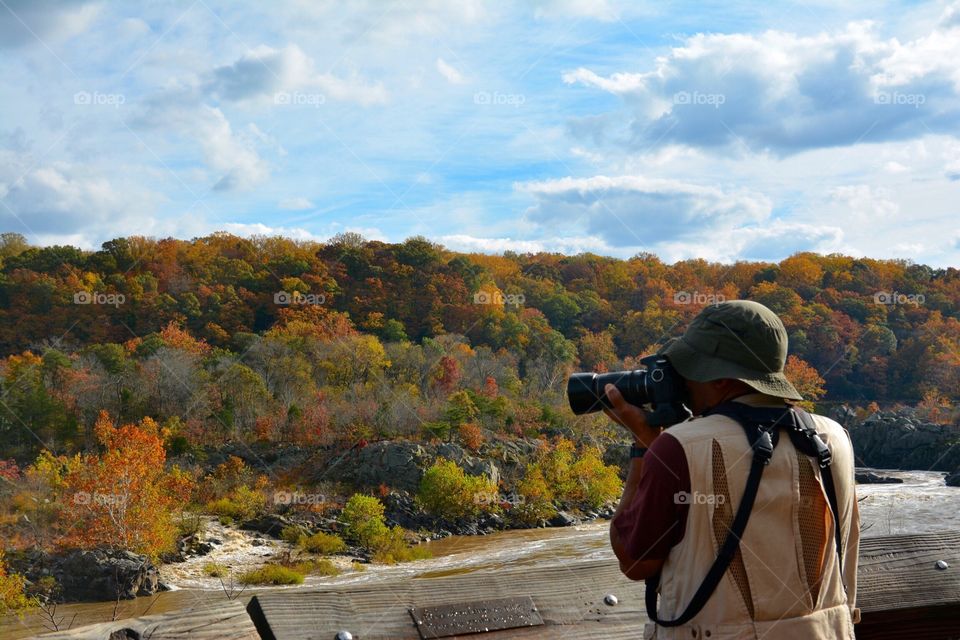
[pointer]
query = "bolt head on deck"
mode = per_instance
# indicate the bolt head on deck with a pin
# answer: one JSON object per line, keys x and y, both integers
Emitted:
{"x": 610, "y": 599}
{"x": 344, "y": 635}
{"x": 942, "y": 564}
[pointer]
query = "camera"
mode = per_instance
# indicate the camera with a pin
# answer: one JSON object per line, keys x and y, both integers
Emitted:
{"x": 659, "y": 389}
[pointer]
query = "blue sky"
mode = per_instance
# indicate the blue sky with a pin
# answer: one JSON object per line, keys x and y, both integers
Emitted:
{"x": 725, "y": 130}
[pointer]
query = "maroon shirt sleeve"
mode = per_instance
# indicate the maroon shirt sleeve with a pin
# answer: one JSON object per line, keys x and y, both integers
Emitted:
{"x": 655, "y": 520}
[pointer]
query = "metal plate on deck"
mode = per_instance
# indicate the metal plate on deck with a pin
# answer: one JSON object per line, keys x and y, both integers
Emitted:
{"x": 475, "y": 617}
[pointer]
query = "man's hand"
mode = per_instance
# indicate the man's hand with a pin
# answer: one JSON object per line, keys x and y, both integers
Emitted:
{"x": 631, "y": 417}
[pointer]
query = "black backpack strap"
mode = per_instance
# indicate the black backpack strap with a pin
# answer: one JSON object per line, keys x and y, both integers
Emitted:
{"x": 762, "y": 440}
{"x": 826, "y": 473}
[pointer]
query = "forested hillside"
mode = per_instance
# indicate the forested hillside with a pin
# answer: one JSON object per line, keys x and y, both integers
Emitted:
{"x": 223, "y": 337}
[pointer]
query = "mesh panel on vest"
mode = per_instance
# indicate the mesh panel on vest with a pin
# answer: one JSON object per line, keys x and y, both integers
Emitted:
{"x": 811, "y": 517}
{"x": 722, "y": 519}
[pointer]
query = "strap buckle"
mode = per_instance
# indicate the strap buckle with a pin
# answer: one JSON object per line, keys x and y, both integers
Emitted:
{"x": 763, "y": 447}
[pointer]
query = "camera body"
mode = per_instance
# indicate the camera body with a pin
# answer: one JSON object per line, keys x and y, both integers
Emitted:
{"x": 659, "y": 389}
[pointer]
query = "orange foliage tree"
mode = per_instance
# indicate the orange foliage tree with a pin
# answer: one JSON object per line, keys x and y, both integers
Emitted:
{"x": 806, "y": 380}
{"x": 123, "y": 497}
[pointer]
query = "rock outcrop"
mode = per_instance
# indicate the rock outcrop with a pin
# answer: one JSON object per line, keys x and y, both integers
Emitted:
{"x": 953, "y": 479}
{"x": 869, "y": 477}
{"x": 901, "y": 440}
{"x": 400, "y": 464}
{"x": 95, "y": 575}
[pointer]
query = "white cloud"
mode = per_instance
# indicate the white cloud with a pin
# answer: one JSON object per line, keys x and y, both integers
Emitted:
{"x": 603, "y": 10}
{"x": 237, "y": 159}
{"x": 246, "y": 230}
{"x": 63, "y": 202}
{"x": 568, "y": 245}
{"x": 24, "y": 22}
{"x": 784, "y": 92}
{"x": 450, "y": 73}
{"x": 263, "y": 71}
{"x": 639, "y": 211}
{"x": 866, "y": 203}
{"x": 295, "y": 204}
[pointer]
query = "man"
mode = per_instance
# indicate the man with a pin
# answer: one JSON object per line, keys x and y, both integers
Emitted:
{"x": 685, "y": 485}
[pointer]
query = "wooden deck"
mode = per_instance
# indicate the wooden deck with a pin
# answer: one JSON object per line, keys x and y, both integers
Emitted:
{"x": 901, "y": 593}
{"x": 228, "y": 619}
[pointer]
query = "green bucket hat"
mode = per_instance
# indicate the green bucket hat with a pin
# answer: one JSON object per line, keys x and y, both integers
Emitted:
{"x": 737, "y": 339}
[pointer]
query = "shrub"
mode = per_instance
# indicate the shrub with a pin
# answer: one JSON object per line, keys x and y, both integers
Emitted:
{"x": 271, "y": 574}
{"x": 363, "y": 520}
{"x": 322, "y": 567}
{"x": 243, "y": 504}
{"x": 292, "y": 533}
{"x": 364, "y": 524}
{"x": 536, "y": 502}
{"x": 446, "y": 491}
{"x": 325, "y": 568}
{"x": 556, "y": 465}
{"x": 12, "y": 596}
{"x": 322, "y": 543}
{"x": 439, "y": 430}
{"x": 215, "y": 570}
{"x": 359, "y": 567}
{"x": 471, "y": 436}
{"x": 596, "y": 482}
{"x": 392, "y": 548}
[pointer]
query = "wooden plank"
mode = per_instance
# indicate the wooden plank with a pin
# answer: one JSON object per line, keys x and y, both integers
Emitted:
{"x": 227, "y": 620}
{"x": 901, "y": 592}
{"x": 568, "y": 595}
{"x": 899, "y": 572}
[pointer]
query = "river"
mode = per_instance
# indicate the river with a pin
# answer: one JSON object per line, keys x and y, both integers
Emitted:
{"x": 922, "y": 503}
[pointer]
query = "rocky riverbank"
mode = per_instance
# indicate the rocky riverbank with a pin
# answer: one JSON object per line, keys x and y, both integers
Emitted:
{"x": 900, "y": 439}
{"x": 392, "y": 470}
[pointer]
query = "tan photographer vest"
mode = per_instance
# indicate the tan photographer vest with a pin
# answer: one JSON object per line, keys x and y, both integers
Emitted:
{"x": 784, "y": 582}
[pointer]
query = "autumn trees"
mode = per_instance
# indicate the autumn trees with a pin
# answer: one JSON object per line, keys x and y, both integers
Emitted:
{"x": 203, "y": 345}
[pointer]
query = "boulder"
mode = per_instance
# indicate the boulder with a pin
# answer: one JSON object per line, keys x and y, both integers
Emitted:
{"x": 482, "y": 467}
{"x": 953, "y": 479}
{"x": 868, "y": 477}
{"x": 562, "y": 519}
{"x": 270, "y": 524}
{"x": 96, "y": 575}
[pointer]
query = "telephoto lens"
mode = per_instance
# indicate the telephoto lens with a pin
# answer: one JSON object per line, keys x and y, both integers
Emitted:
{"x": 586, "y": 394}
{"x": 658, "y": 388}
